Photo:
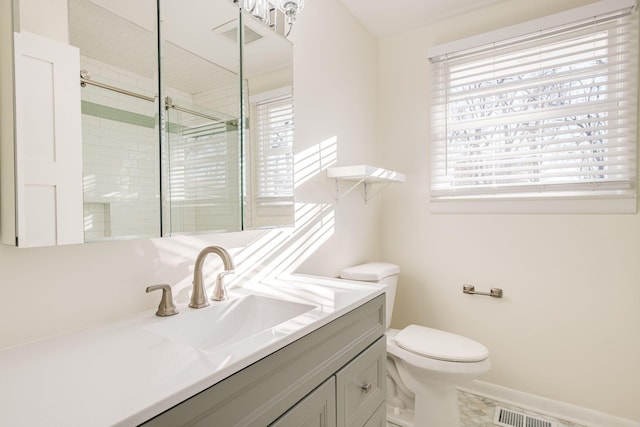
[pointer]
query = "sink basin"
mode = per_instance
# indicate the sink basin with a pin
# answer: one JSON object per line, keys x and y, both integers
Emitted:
{"x": 225, "y": 323}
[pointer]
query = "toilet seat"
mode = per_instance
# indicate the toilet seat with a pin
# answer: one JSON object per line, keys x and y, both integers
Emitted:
{"x": 442, "y": 370}
{"x": 440, "y": 345}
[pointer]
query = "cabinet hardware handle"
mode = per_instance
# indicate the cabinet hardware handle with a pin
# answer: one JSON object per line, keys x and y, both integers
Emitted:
{"x": 366, "y": 387}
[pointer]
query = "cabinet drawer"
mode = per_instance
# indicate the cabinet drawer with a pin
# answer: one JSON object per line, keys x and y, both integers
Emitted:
{"x": 361, "y": 386}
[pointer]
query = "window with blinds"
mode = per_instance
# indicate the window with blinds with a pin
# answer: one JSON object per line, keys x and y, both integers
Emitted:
{"x": 273, "y": 161}
{"x": 545, "y": 115}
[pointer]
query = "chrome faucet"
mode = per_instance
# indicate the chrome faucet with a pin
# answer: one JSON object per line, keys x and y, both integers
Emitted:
{"x": 199, "y": 295}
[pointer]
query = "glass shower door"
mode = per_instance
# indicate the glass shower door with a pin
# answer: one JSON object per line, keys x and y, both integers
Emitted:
{"x": 203, "y": 170}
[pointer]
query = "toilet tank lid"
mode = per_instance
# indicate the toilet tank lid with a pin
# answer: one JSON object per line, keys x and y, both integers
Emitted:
{"x": 370, "y": 272}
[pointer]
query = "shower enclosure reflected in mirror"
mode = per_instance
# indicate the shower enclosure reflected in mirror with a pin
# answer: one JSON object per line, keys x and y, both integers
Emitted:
{"x": 201, "y": 81}
{"x": 209, "y": 145}
{"x": 187, "y": 122}
{"x": 120, "y": 125}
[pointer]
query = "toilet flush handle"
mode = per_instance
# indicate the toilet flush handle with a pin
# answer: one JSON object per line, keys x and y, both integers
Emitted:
{"x": 366, "y": 387}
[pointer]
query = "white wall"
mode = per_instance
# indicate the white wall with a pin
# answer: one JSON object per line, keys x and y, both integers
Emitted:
{"x": 336, "y": 79}
{"x": 568, "y": 327}
{"x": 51, "y": 290}
{"x": 48, "y": 19}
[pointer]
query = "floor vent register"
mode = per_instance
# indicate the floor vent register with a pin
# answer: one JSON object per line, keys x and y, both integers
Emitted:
{"x": 508, "y": 418}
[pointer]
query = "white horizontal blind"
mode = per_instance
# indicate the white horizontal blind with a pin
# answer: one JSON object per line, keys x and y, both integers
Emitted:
{"x": 545, "y": 115}
{"x": 274, "y": 151}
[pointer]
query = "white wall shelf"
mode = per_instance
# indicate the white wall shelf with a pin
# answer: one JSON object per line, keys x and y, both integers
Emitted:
{"x": 365, "y": 175}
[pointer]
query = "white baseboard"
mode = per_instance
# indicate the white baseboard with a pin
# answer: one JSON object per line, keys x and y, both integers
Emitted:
{"x": 545, "y": 406}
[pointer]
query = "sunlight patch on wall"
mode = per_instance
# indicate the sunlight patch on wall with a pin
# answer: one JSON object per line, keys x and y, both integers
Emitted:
{"x": 267, "y": 254}
{"x": 315, "y": 159}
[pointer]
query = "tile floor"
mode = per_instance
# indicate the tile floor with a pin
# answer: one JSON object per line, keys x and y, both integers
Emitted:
{"x": 477, "y": 411}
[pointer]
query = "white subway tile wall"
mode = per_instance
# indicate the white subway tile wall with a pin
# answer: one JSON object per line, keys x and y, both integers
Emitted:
{"x": 120, "y": 155}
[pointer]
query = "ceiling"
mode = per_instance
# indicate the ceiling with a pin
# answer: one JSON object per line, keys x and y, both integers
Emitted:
{"x": 385, "y": 17}
{"x": 195, "y": 56}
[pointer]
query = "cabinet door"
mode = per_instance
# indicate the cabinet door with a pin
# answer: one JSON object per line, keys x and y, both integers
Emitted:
{"x": 361, "y": 386}
{"x": 379, "y": 418}
{"x": 318, "y": 409}
{"x": 48, "y": 142}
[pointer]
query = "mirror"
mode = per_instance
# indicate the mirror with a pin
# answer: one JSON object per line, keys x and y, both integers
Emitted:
{"x": 120, "y": 126}
{"x": 268, "y": 102}
{"x": 201, "y": 81}
{"x": 187, "y": 122}
{"x": 219, "y": 108}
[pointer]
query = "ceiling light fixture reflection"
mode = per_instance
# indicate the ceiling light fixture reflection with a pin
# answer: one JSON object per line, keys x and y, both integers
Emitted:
{"x": 264, "y": 10}
{"x": 290, "y": 8}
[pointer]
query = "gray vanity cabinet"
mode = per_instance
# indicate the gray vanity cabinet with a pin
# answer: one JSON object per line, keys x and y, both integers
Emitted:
{"x": 379, "y": 418}
{"x": 335, "y": 375}
{"x": 361, "y": 386}
{"x": 347, "y": 399}
{"x": 318, "y": 409}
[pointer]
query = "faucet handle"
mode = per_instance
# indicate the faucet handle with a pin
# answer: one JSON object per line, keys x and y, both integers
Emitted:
{"x": 166, "y": 307}
{"x": 220, "y": 289}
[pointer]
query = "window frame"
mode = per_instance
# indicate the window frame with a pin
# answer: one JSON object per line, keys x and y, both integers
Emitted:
{"x": 276, "y": 208}
{"x": 565, "y": 199}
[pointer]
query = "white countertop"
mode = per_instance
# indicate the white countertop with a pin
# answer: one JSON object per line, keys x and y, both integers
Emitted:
{"x": 122, "y": 373}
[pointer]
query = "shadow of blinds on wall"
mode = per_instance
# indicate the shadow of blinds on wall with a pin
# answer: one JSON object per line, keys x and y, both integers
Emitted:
{"x": 545, "y": 110}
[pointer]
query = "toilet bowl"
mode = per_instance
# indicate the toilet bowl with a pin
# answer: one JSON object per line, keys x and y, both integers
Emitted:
{"x": 424, "y": 365}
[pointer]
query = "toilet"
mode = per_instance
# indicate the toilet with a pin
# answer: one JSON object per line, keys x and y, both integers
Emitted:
{"x": 424, "y": 365}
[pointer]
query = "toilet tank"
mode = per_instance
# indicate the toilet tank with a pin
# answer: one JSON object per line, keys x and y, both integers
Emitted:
{"x": 381, "y": 273}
